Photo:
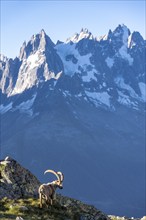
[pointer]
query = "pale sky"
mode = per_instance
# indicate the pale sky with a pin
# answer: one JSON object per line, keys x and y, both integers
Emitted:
{"x": 61, "y": 19}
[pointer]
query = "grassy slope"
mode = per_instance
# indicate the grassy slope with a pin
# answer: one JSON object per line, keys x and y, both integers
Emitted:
{"x": 29, "y": 209}
{"x": 10, "y": 209}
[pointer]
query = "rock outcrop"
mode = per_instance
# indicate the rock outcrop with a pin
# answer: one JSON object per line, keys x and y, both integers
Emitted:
{"x": 19, "y": 199}
{"x": 16, "y": 181}
{"x": 18, "y": 191}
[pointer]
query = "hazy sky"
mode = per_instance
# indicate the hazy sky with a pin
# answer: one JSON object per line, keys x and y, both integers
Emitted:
{"x": 61, "y": 19}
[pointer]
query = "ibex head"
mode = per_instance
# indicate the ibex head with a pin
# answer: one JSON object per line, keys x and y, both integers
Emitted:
{"x": 60, "y": 178}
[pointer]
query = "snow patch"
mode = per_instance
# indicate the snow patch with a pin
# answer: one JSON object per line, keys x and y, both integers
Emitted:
{"x": 70, "y": 68}
{"x": 110, "y": 62}
{"x": 125, "y": 100}
{"x": 4, "y": 109}
{"x": 35, "y": 60}
{"x": 80, "y": 95}
{"x": 142, "y": 87}
{"x": 25, "y": 107}
{"x": 131, "y": 43}
{"x": 121, "y": 84}
{"x": 90, "y": 76}
{"x": 98, "y": 98}
{"x": 123, "y": 53}
{"x": 66, "y": 93}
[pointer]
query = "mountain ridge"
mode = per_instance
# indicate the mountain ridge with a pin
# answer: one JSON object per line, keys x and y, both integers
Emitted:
{"x": 80, "y": 106}
{"x": 39, "y": 67}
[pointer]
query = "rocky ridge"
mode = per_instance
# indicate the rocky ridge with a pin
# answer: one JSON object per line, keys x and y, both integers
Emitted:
{"x": 18, "y": 183}
{"x": 18, "y": 194}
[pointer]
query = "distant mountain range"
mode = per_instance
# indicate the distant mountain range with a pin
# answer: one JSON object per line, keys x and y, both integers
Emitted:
{"x": 79, "y": 106}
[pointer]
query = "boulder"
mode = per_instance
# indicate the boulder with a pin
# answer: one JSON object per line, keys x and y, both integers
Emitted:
{"x": 16, "y": 181}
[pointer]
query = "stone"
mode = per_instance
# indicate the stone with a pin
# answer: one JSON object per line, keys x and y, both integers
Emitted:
{"x": 16, "y": 181}
{"x": 19, "y": 218}
{"x": 23, "y": 208}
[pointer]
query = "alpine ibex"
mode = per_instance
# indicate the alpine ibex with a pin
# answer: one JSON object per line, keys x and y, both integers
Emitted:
{"x": 47, "y": 191}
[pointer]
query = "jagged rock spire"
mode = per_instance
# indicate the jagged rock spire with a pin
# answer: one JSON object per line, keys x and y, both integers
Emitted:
{"x": 84, "y": 33}
{"x": 38, "y": 42}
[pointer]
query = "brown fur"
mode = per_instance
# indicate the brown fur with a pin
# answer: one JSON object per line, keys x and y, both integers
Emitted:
{"x": 47, "y": 192}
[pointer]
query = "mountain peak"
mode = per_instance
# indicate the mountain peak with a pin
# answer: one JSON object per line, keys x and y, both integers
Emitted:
{"x": 84, "y": 34}
{"x": 121, "y": 28}
{"x": 135, "y": 39}
{"x": 3, "y": 58}
{"x": 37, "y": 42}
{"x": 42, "y": 32}
{"x": 121, "y": 32}
{"x": 84, "y": 30}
